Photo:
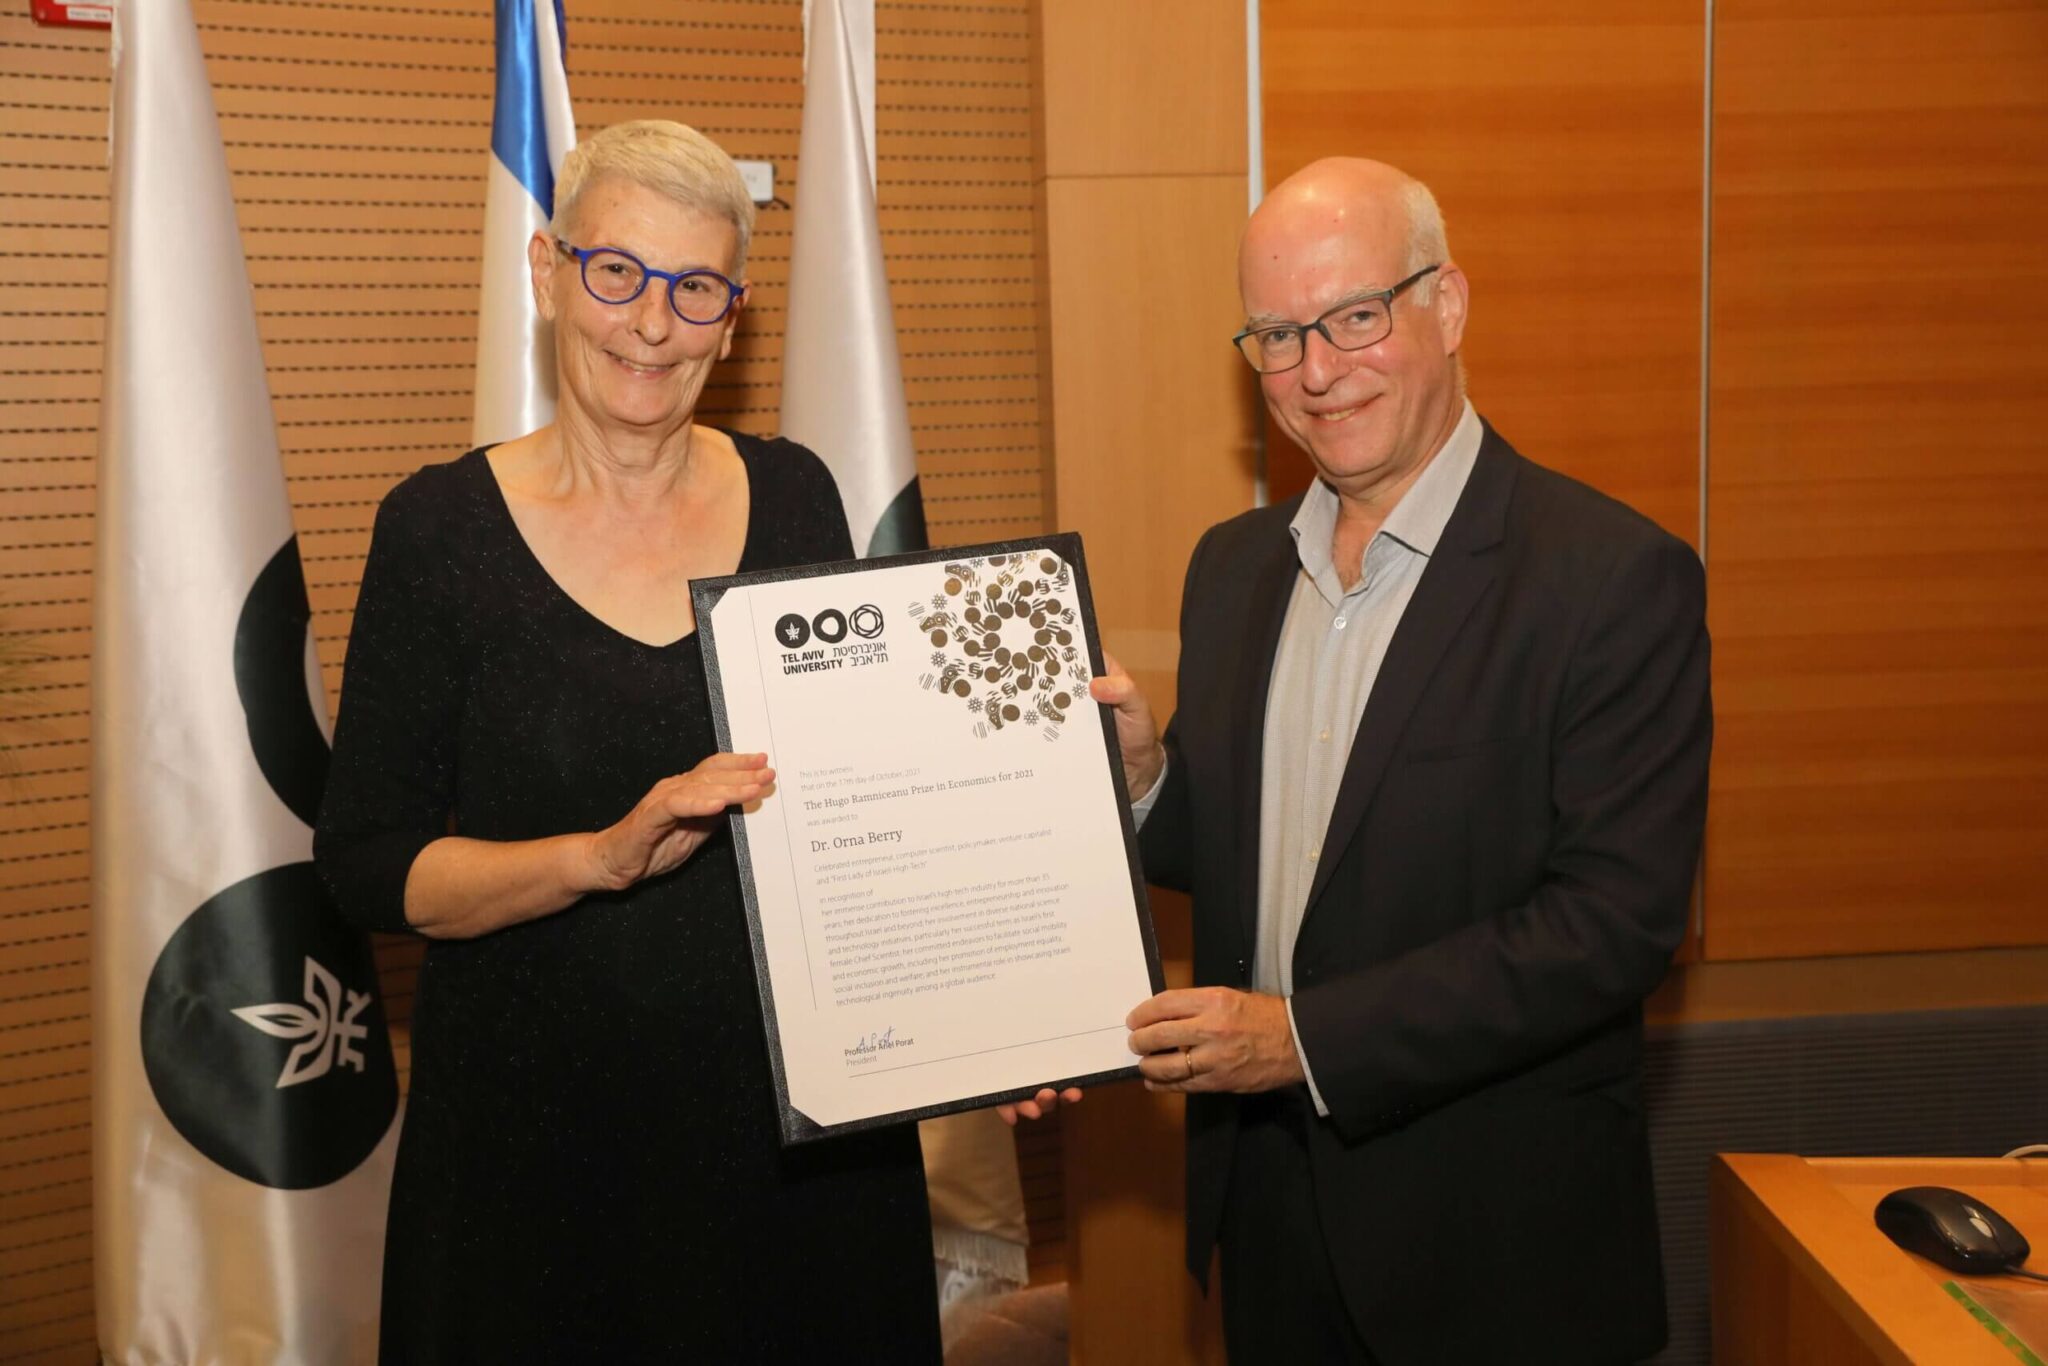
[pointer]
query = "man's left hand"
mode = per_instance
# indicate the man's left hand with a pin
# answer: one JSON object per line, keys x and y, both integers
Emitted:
{"x": 1214, "y": 1039}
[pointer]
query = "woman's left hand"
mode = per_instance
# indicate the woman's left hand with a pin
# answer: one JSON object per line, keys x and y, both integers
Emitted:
{"x": 674, "y": 819}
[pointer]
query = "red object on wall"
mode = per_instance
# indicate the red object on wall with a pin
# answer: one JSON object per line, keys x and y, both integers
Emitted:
{"x": 72, "y": 13}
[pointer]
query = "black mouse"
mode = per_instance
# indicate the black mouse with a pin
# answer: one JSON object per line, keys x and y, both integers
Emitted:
{"x": 1952, "y": 1229}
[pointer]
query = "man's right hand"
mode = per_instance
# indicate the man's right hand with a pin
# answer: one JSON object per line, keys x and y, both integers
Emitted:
{"x": 1137, "y": 735}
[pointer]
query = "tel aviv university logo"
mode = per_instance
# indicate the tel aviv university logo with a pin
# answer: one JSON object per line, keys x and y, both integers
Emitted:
{"x": 826, "y": 634}
{"x": 262, "y": 1032}
{"x": 793, "y": 631}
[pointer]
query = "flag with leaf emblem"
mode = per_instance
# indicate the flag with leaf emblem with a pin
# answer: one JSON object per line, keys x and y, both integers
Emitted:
{"x": 244, "y": 1097}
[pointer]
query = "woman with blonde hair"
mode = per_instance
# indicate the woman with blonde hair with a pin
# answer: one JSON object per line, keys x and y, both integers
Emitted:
{"x": 525, "y": 774}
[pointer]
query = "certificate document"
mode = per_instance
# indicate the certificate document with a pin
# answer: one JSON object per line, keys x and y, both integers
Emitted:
{"x": 942, "y": 886}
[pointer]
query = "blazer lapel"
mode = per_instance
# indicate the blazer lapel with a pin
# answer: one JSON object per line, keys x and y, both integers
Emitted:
{"x": 1464, "y": 564}
{"x": 1272, "y": 579}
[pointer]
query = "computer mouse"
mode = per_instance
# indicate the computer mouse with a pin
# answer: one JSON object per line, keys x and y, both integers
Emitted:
{"x": 1951, "y": 1229}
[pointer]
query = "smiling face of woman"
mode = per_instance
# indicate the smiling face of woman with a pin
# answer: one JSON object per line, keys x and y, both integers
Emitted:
{"x": 633, "y": 367}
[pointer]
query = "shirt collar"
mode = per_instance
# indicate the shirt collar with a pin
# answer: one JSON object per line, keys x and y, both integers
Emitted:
{"x": 1417, "y": 521}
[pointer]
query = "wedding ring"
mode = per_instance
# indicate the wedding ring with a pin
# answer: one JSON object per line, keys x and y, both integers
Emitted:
{"x": 1187, "y": 1056}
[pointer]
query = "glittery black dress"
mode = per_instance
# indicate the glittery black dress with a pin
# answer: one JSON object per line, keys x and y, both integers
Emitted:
{"x": 589, "y": 1169}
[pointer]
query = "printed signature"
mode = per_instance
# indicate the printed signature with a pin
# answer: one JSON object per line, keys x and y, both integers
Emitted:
{"x": 877, "y": 1041}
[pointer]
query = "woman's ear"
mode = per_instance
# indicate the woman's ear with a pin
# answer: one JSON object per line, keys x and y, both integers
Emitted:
{"x": 732, "y": 318}
{"x": 541, "y": 260}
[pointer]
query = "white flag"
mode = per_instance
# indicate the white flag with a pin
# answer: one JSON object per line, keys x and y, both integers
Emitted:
{"x": 842, "y": 395}
{"x": 243, "y": 1089}
{"x": 532, "y": 129}
{"x": 842, "y": 379}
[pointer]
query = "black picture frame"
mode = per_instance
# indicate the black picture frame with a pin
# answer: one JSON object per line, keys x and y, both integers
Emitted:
{"x": 705, "y": 594}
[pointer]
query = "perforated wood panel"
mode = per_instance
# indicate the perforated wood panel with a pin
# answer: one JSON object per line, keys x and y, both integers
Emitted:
{"x": 357, "y": 135}
{"x": 53, "y": 125}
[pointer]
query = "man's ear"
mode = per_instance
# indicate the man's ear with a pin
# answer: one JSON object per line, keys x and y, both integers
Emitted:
{"x": 541, "y": 259}
{"x": 1453, "y": 298}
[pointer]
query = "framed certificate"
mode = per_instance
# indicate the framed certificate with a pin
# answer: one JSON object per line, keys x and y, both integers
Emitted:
{"x": 943, "y": 886}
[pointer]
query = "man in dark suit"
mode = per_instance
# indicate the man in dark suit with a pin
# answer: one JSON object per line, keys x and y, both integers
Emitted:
{"x": 1436, "y": 784}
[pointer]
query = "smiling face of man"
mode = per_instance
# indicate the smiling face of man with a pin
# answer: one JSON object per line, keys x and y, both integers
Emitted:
{"x": 1370, "y": 419}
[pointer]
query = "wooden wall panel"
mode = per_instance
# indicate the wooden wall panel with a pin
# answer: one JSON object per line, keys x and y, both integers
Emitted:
{"x": 1153, "y": 413}
{"x": 1879, "y": 481}
{"x": 1153, "y": 440}
{"x": 356, "y": 134}
{"x": 1144, "y": 88}
{"x": 1564, "y": 144}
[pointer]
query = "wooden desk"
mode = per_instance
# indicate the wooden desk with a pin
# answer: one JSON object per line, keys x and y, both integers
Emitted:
{"x": 1802, "y": 1275}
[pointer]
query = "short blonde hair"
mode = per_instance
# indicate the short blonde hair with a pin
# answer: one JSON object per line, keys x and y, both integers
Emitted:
{"x": 668, "y": 158}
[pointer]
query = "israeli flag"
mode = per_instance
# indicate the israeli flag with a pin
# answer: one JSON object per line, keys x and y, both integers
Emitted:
{"x": 532, "y": 129}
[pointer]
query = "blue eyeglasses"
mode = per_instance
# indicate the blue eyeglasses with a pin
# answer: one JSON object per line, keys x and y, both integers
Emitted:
{"x": 612, "y": 276}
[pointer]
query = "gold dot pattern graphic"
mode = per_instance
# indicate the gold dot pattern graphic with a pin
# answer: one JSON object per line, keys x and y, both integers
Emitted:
{"x": 1006, "y": 641}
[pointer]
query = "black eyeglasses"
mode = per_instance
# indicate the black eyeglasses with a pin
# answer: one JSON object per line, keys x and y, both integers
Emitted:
{"x": 1353, "y": 325}
{"x": 701, "y": 296}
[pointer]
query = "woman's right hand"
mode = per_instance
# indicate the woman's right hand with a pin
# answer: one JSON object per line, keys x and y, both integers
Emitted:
{"x": 674, "y": 819}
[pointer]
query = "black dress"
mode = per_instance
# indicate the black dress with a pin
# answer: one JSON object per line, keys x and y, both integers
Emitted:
{"x": 589, "y": 1168}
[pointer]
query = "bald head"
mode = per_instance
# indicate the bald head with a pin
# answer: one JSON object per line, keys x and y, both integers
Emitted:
{"x": 1367, "y": 200}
